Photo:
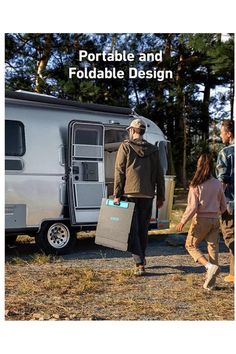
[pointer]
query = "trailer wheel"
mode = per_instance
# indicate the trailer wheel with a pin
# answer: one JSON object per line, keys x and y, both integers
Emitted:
{"x": 10, "y": 240}
{"x": 55, "y": 238}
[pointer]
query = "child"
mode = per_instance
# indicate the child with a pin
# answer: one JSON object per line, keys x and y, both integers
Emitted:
{"x": 206, "y": 201}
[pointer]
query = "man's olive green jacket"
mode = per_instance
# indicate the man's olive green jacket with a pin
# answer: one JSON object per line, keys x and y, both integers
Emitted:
{"x": 138, "y": 170}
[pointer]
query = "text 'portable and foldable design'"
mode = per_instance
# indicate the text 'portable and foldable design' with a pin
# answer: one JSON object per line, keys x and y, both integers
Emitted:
{"x": 114, "y": 224}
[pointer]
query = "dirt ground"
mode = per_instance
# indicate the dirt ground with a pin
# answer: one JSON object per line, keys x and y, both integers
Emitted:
{"x": 96, "y": 283}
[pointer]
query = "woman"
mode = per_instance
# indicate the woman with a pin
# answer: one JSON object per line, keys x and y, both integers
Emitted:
{"x": 206, "y": 201}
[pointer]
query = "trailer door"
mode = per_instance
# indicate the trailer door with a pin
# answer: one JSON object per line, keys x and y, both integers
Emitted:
{"x": 86, "y": 180}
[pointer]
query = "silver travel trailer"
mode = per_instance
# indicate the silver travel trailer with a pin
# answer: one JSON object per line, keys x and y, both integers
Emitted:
{"x": 59, "y": 164}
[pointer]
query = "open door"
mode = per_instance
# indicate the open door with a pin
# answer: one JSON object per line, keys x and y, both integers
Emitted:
{"x": 86, "y": 182}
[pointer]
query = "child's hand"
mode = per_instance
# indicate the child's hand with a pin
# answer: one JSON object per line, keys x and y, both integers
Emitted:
{"x": 179, "y": 227}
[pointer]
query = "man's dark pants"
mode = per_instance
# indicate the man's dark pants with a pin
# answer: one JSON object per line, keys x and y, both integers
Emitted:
{"x": 139, "y": 228}
{"x": 227, "y": 227}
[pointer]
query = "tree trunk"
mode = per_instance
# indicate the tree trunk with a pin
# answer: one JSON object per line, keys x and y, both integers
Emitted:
{"x": 136, "y": 93}
{"x": 113, "y": 42}
{"x": 169, "y": 112}
{"x": 205, "y": 111}
{"x": 232, "y": 100}
{"x": 168, "y": 46}
{"x": 42, "y": 62}
{"x": 76, "y": 43}
{"x": 180, "y": 139}
{"x": 170, "y": 120}
{"x": 184, "y": 179}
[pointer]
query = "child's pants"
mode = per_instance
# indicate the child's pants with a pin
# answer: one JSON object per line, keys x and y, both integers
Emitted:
{"x": 203, "y": 229}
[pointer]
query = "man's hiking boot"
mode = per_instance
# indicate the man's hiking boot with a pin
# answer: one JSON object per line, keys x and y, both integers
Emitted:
{"x": 139, "y": 270}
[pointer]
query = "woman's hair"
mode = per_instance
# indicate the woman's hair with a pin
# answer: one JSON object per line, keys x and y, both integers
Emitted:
{"x": 204, "y": 170}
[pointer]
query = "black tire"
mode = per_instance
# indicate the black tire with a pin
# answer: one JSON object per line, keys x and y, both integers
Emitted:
{"x": 10, "y": 240}
{"x": 56, "y": 237}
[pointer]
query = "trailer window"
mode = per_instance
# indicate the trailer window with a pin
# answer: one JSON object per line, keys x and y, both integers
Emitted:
{"x": 14, "y": 138}
{"x": 115, "y": 135}
{"x": 88, "y": 135}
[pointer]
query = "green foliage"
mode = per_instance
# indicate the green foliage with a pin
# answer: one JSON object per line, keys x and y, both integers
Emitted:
{"x": 185, "y": 108}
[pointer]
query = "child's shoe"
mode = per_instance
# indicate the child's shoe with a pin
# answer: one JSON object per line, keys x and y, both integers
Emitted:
{"x": 211, "y": 276}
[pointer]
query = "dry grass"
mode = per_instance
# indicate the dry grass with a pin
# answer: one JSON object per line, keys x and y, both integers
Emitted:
{"x": 37, "y": 258}
{"x": 43, "y": 292}
{"x": 40, "y": 287}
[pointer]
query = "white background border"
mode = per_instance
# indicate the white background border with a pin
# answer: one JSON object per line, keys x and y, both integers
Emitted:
{"x": 121, "y": 17}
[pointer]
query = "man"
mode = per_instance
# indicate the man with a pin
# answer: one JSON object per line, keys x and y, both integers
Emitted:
{"x": 138, "y": 173}
{"x": 225, "y": 173}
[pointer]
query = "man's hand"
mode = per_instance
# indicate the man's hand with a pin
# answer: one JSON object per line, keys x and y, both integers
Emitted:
{"x": 179, "y": 227}
{"x": 116, "y": 201}
{"x": 159, "y": 203}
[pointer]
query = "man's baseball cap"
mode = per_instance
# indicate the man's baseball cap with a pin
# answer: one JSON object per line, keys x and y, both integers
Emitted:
{"x": 137, "y": 123}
